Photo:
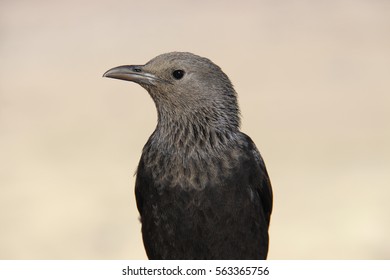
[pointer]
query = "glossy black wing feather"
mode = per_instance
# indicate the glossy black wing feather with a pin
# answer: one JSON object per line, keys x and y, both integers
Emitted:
{"x": 263, "y": 186}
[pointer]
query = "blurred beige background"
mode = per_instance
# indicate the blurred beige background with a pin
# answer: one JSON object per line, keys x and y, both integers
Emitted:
{"x": 313, "y": 79}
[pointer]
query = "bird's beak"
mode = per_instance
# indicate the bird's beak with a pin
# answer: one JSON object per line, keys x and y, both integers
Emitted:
{"x": 133, "y": 73}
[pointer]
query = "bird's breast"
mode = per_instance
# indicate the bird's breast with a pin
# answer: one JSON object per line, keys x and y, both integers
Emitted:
{"x": 190, "y": 168}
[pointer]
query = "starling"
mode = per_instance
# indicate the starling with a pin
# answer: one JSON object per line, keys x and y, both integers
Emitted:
{"x": 202, "y": 188}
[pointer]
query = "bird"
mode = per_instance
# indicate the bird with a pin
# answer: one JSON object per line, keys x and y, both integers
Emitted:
{"x": 202, "y": 188}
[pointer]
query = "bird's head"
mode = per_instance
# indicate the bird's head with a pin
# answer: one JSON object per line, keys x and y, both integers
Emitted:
{"x": 185, "y": 87}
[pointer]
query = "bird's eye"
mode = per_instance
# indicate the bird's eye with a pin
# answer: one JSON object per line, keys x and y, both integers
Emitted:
{"x": 178, "y": 74}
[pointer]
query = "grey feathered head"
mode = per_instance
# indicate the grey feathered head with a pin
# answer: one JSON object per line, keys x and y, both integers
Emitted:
{"x": 186, "y": 87}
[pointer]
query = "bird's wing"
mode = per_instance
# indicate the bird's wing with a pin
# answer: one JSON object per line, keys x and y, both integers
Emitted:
{"x": 263, "y": 186}
{"x": 141, "y": 183}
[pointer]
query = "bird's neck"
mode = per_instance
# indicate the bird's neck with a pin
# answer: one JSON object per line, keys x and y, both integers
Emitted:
{"x": 182, "y": 153}
{"x": 195, "y": 130}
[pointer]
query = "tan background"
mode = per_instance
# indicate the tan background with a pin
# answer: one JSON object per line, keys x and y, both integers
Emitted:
{"x": 313, "y": 79}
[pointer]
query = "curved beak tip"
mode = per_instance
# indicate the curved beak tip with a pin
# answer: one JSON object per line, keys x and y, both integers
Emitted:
{"x": 106, "y": 74}
{"x": 113, "y": 72}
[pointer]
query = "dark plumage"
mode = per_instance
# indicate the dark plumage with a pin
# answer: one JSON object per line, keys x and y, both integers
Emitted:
{"x": 202, "y": 188}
